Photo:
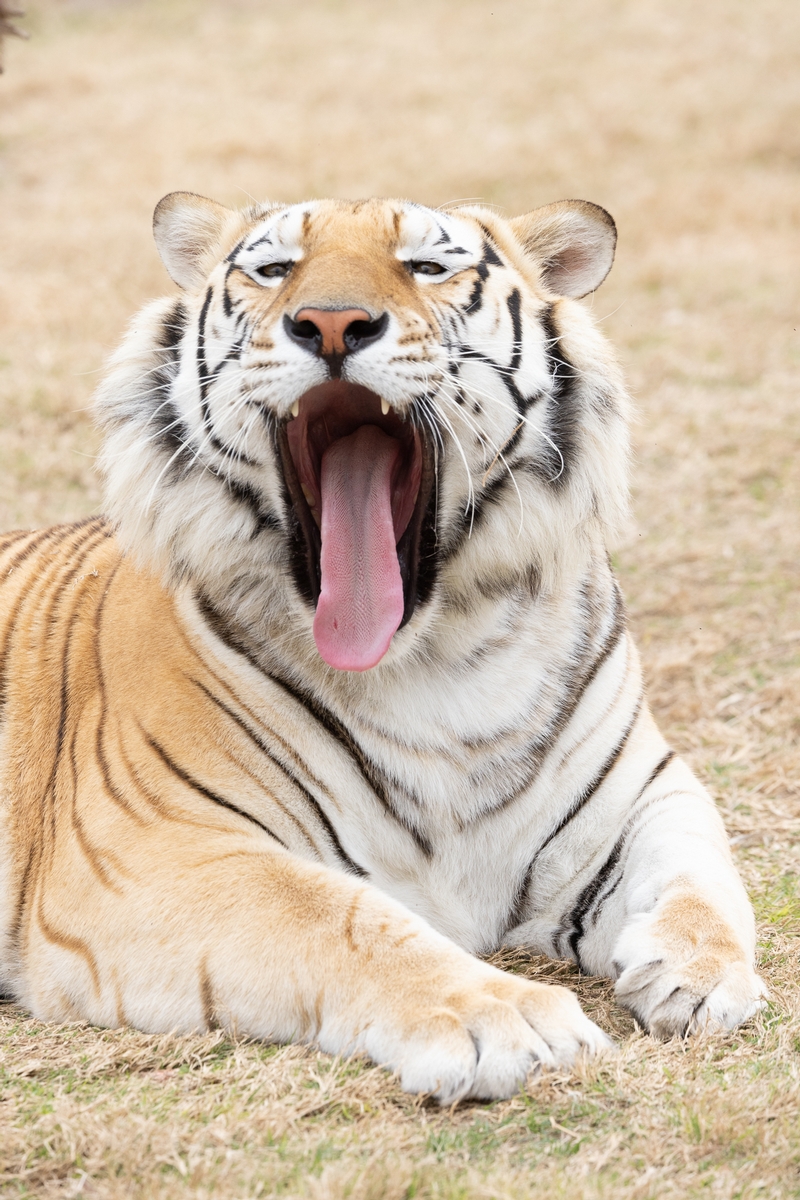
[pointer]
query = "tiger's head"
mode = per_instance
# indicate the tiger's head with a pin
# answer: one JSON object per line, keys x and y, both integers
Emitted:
{"x": 359, "y": 416}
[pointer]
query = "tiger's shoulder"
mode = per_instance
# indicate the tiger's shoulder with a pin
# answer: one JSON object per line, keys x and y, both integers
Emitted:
{"x": 58, "y": 588}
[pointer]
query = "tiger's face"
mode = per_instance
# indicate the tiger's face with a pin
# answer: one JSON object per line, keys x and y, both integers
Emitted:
{"x": 372, "y": 409}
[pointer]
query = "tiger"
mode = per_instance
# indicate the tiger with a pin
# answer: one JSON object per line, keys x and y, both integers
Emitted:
{"x": 339, "y": 697}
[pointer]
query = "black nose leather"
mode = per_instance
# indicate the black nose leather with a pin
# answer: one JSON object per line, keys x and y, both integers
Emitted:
{"x": 333, "y": 333}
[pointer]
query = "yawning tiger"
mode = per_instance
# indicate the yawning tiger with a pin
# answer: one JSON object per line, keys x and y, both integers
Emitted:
{"x": 340, "y": 694}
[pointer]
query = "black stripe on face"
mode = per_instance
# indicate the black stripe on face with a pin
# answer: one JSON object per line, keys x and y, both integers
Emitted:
{"x": 514, "y": 306}
{"x": 202, "y": 367}
{"x": 172, "y": 435}
{"x": 206, "y": 378}
{"x": 564, "y": 417}
{"x": 495, "y": 491}
{"x": 239, "y": 245}
{"x": 227, "y": 303}
{"x": 489, "y": 258}
{"x": 173, "y": 327}
{"x": 473, "y": 517}
{"x": 169, "y": 430}
{"x": 243, "y": 493}
{"x": 347, "y": 862}
{"x": 201, "y": 789}
{"x": 168, "y": 427}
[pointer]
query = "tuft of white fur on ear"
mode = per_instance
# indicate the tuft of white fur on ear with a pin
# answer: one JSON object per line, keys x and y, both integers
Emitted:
{"x": 187, "y": 228}
{"x": 573, "y": 243}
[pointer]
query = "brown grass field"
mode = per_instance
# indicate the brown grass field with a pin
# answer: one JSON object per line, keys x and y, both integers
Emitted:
{"x": 683, "y": 119}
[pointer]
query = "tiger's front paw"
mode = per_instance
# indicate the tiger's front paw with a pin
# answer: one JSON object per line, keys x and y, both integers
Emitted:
{"x": 482, "y": 1040}
{"x": 682, "y": 970}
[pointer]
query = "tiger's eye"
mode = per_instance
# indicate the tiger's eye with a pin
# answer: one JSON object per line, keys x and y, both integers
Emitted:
{"x": 275, "y": 270}
{"x": 427, "y": 268}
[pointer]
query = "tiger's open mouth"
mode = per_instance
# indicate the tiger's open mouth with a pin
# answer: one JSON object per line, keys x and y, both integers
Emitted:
{"x": 361, "y": 485}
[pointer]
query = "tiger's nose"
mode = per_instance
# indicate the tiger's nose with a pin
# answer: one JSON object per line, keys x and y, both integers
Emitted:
{"x": 332, "y": 333}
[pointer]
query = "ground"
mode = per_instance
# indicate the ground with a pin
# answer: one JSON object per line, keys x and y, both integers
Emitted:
{"x": 684, "y": 121}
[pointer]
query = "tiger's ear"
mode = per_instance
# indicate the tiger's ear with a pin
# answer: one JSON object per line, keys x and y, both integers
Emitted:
{"x": 573, "y": 242}
{"x": 187, "y": 228}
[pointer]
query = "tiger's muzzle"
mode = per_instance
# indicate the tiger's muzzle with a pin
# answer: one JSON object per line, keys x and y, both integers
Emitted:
{"x": 360, "y": 479}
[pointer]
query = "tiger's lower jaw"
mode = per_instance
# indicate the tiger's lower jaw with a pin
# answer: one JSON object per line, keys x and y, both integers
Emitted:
{"x": 360, "y": 482}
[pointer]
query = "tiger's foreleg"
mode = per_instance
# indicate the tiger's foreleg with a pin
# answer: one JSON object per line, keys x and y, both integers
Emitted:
{"x": 227, "y": 929}
{"x": 672, "y": 922}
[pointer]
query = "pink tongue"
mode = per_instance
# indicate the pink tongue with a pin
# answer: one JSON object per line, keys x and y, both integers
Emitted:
{"x": 361, "y": 601}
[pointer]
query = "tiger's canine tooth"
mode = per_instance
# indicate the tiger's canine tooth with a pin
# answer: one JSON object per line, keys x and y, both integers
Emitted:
{"x": 296, "y": 409}
{"x": 384, "y": 407}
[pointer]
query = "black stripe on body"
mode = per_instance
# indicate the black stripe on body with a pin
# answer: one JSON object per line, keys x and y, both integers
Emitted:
{"x": 36, "y": 540}
{"x": 86, "y": 545}
{"x": 202, "y": 790}
{"x": 91, "y": 853}
{"x": 10, "y": 539}
{"x": 101, "y": 758}
{"x": 29, "y": 872}
{"x": 544, "y": 744}
{"x": 517, "y": 913}
{"x": 348, "y": 863}
{"x": 590, "y": 896}
{"x": 586, "y": 795}
{"x": 86, "y": 536}
{"x": 321, "y": 714}
{"x": 631, "y": 824}
{"x": 586, "y": 900}
{"x": 371, "y": 774}
{"x": 210, "y": 616}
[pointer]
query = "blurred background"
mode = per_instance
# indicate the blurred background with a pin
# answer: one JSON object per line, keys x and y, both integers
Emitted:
{"x": 683, "y": 119}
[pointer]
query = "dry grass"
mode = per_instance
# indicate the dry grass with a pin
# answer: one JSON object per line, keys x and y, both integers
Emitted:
{"x": 683, "y": 120}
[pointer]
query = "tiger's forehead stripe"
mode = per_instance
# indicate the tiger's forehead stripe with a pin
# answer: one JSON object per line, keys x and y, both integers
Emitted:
{"x": 404, "y": 229}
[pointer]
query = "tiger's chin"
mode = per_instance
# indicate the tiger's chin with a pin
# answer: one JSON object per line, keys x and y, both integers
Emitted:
{"x": 359, "y": 478}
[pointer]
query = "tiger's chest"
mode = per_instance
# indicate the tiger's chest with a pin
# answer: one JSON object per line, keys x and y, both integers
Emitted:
{"x": 441, "y": 787}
